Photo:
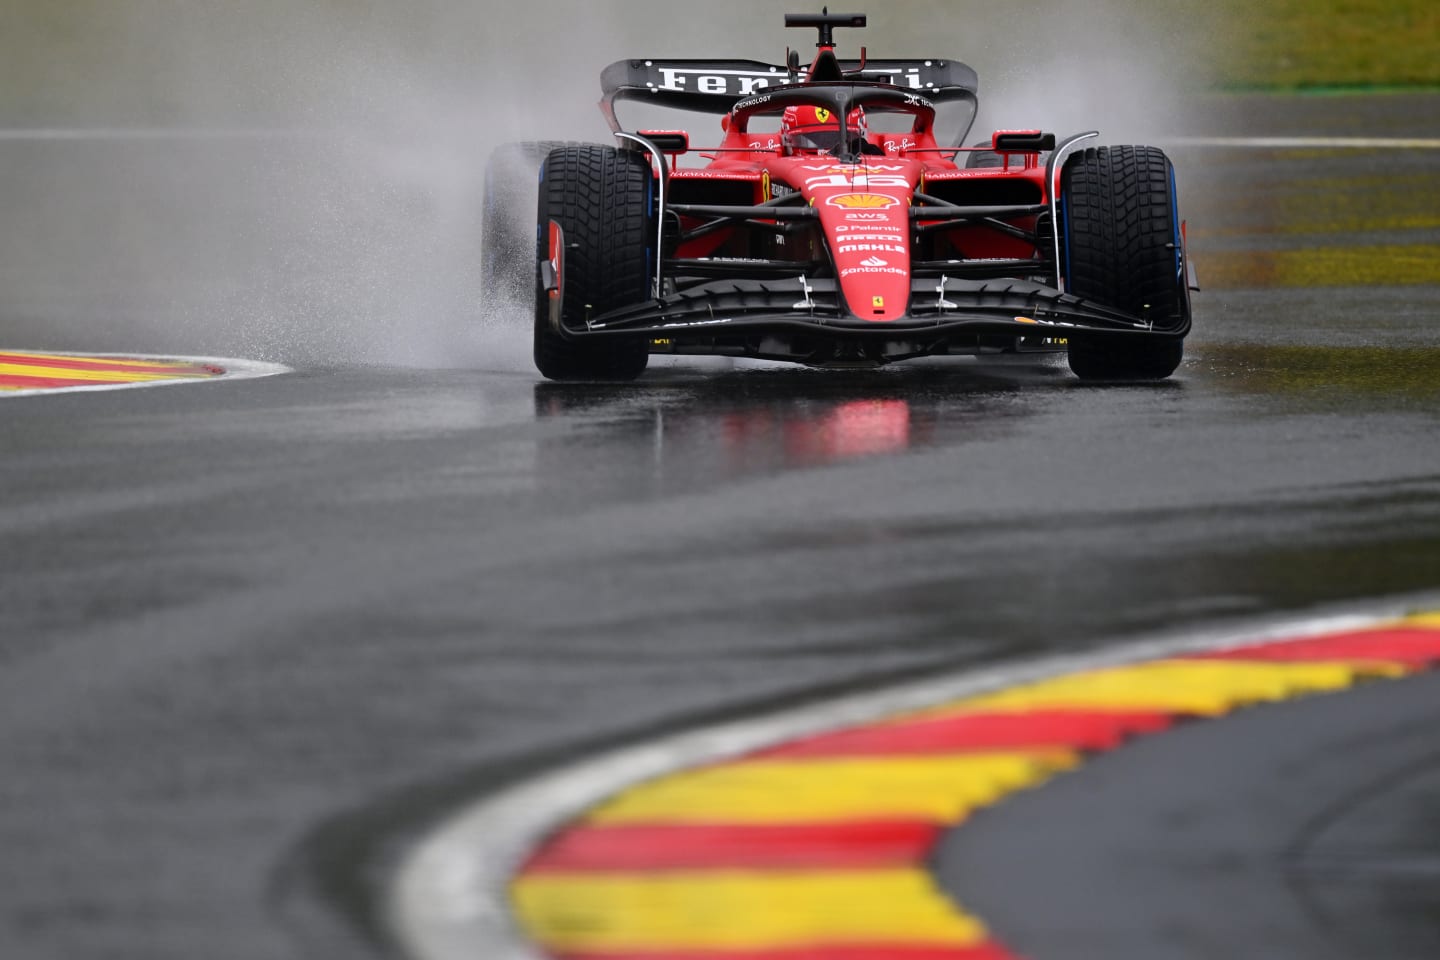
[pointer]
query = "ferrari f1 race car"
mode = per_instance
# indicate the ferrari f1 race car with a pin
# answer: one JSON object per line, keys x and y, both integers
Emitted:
{"x": 840, "y": 222}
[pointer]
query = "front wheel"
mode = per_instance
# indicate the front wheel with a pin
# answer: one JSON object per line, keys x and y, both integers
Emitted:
{"x": 1123, "y": 250}
{"x": 600, "y": 200}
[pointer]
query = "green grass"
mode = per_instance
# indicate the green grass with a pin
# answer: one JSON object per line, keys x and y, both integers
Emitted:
{"x": 1351, "y": 374}
{"x": 1330, "y": 44}
{"x": 123, "y": 62}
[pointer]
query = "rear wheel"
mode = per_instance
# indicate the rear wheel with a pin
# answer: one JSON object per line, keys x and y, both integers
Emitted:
{"x": 983, "y": 159}
{"x": 507, "y": 263}
{"x": 600, "y": 197}
{"x": 1122, "y": 250}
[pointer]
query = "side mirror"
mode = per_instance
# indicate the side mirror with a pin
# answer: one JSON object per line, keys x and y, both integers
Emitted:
{"x": 1022, "y": 141}
{"x": 667, "y": 141}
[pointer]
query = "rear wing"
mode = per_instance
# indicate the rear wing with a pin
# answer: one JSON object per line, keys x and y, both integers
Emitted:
{"x": 714, "y": 86}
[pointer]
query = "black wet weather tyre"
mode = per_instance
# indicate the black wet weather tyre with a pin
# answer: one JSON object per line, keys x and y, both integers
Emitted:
{"x": 600, "y": 197}
{"x": 1122, "y": 250}
{"x": 507, "y": 261}
{"x": 983, "y": 159}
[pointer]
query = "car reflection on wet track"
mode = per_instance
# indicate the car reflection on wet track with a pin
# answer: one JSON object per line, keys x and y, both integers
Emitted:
{"x": 759, "y": 421}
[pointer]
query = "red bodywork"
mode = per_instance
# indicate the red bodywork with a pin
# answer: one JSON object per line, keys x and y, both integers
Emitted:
{"x": 864, "y": 207}
{"x": 897, "y": 241}
{"x": 863, "y": 202}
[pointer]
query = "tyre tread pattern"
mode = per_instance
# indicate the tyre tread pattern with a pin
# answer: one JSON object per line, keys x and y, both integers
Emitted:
{"x": 1121, "y": 253}
{"x": 981, "y": 160}
{"x": 599, "y": 196}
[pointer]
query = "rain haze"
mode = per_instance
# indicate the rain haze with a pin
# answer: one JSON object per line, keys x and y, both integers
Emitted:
{"x": 258, "y": 636}
{"x": 303, "y": 181}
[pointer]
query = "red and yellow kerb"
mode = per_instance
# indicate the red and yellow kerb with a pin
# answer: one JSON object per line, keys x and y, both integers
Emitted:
{"x": 817, "y": 849}
{"x": 49, "y": 371}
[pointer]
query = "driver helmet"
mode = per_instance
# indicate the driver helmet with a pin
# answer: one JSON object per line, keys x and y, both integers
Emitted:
{"x": 817, "y": 130}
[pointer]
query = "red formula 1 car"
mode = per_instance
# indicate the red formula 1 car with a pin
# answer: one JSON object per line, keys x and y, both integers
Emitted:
{"x": 839, "y": 222}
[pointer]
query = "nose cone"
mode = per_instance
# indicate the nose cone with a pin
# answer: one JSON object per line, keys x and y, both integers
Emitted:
{"x": 869, "y": 236}
{"x": 865, "y": 213}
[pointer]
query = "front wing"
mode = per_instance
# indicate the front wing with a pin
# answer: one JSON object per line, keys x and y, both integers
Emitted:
{"x": 798, "y": 319}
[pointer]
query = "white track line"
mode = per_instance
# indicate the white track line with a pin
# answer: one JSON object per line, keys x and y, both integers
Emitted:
{"x": 449, "y": 899}
{"x": 1309, "y": 143}
{"x": 50, "y": 134}
{"x": 234, "y": 370}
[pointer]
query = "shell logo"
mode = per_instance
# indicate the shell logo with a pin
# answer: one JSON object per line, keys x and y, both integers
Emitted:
{"x": 863, "y": 201}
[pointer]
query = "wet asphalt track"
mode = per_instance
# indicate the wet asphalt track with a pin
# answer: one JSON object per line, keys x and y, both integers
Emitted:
{"x": 251, "y": 631}
{"x": 1306, "y": 830}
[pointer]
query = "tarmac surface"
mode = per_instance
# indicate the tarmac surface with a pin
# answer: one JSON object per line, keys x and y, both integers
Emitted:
{"x": 1300, "y": 830}
{"x": 256, "y": 632}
